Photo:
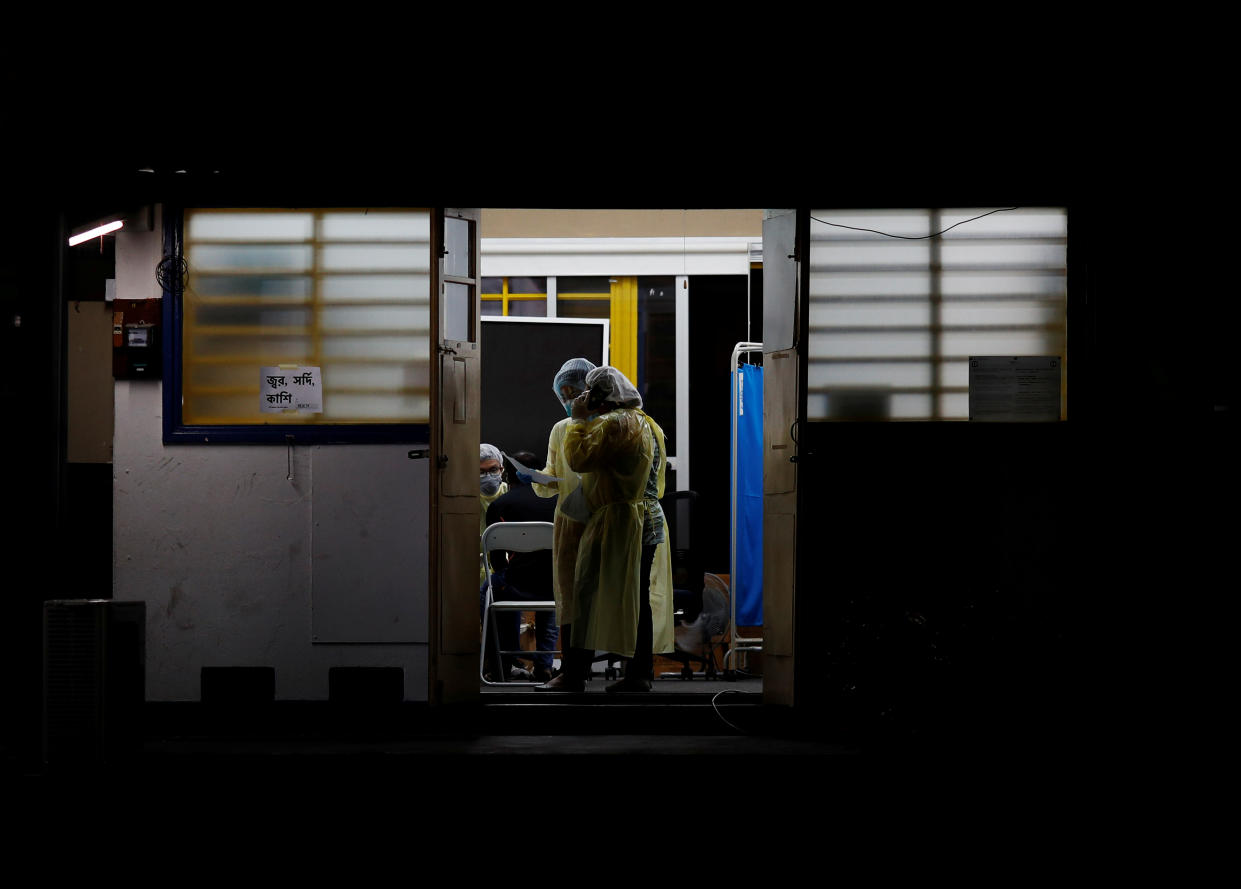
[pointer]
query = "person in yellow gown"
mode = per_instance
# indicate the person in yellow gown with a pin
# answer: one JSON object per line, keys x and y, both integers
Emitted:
{"x": 568, "y": 384}
{"x": 621, "y": 592}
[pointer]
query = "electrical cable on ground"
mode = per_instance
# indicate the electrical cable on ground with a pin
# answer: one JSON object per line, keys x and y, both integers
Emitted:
{"x": 721, "y": 715}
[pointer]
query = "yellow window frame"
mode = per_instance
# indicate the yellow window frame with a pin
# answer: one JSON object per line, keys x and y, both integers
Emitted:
{"x": 622, "y": 316}
{"x": 504, "y": 297}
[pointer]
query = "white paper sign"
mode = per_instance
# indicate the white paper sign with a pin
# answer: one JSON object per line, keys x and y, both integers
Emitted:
{"x": 536, "y": 476}
{"x": 290, "y": 388}
{"x": 1022, "y": 389}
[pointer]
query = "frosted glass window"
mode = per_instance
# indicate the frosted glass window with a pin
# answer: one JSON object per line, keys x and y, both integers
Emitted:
{"x": 864, "y": 254}
{"x": 411, "y": 318}
{"x": 224, "y": 315}
{"x": 376, "y": 226}
{"x": 344, "y": 290}
{"x": 248, "y": 257}
{"x": 286, "y": 288}
{"x": 954, "y": 404}
{"x": 248, "y": 349}
{"x": 458, "y": 244}
{"x": 1007, "y": 313}
{"x": 869, "y": 314}
{"x": 206, "y": 225}
{"x": 371, "y": 288}
{"x": 855, "y": 223}
{"x": 893, "y": 321}
{"x": 870, "y": 374}
{"x": 874, "y": 344}
{"x": 909, "y": 406}
{"x": 389, "y": 348}
{"x": 1003, "y": 285}
{"x": 457, "y": 312}
{"x": 962, "y": 344}
{"x": 374, "y": 257}
{"x": 385, "y": 376}
{"x": 1019, "y": 255}
{"x": 373, "y": 408}
{"x": 890, "y": 285}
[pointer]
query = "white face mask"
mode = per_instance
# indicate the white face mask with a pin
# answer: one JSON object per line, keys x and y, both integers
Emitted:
{"x": 489, "y": 483}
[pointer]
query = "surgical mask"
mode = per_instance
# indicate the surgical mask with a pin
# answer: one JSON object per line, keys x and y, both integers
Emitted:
{"x": 489, "y": 482}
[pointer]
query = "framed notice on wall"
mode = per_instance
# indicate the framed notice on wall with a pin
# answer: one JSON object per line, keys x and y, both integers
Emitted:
{"x": 1015, "y": 389}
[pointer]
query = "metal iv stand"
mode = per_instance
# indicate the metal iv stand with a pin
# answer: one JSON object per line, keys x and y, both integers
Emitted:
{"x": 736, "y": 643}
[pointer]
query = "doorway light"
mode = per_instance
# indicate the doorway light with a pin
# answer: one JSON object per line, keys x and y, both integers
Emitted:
{"x": 97, "y": 231}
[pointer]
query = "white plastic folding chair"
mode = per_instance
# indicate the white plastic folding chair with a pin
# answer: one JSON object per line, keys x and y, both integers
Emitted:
{"x": 518, "y": 537}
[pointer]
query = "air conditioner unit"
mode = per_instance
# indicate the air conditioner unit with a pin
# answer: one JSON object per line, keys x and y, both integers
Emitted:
{"x": 94, "y": 679}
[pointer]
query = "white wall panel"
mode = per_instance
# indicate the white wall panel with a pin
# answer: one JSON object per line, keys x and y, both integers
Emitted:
{"x": 615, "y": 256}
{"x": 369, "y": 556}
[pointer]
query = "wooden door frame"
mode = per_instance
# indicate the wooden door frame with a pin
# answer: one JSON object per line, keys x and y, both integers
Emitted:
{"x": 452, "y": 558}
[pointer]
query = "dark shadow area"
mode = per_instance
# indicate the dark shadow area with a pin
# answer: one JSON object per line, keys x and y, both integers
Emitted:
{"x": 946, "y": 579}
{"x": 717, "y": 322}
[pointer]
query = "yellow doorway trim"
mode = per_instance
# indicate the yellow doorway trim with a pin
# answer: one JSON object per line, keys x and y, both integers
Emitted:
{"x": 623, "y": 351}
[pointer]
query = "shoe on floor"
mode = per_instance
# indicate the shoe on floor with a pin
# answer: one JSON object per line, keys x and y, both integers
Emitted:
{"x": 519, "y": 674}
{"x": 542, "y": 674}
{"x": 629, "y": 685}
{"x": 563, "y": 683}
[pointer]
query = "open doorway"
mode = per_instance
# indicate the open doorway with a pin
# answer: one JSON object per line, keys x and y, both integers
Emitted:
{"x": 679, "y": 290}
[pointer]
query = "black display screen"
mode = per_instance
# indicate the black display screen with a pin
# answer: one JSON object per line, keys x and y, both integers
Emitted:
{"x": 519, "y": 360}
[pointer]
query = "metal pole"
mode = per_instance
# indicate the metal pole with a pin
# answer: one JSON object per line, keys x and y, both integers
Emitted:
{"x": 738, "y": 350}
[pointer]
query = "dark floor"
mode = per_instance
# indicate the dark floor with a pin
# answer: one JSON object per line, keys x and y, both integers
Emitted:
{"x": 718, "y": 729}
{"x": 715, "y": 720}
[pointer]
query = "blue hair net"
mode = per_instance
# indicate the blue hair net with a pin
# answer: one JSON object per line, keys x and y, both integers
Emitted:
{"x": 572, "y": 373}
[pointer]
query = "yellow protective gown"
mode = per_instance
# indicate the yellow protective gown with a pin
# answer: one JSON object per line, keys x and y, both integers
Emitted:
{"x": 613, "y": 453}
{"x": 566, "y": 532}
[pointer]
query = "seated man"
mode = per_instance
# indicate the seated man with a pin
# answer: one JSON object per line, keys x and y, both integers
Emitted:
{"x": 523, "y": 576}
{"x": 491, "y": 486}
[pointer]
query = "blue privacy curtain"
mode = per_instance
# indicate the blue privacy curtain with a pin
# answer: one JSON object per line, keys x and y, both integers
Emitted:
{"x": 747, "y": 410}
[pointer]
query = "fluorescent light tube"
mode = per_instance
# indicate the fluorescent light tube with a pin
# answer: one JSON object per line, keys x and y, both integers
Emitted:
{"x": 97, "y": 232}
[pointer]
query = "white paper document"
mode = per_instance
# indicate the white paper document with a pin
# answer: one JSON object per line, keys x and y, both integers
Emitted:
{"x": 290, "y": 389}
{"x": 536, "y": 476}
{"x": 1017, "y": 389}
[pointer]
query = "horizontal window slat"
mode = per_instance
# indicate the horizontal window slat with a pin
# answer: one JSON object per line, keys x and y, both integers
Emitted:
{"x": 335, "y": 390}
{"x": 304, "y": 273}
{"x": 1034, "y": 297}
{"x": 935, "y": 328}
{"x": 308, "y": 331}
{"x": 890, "y": 359}
{"x": 972, "y": 268}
